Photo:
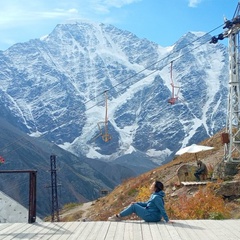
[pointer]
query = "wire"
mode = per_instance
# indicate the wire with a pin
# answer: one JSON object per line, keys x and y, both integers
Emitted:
{"x": 166, "y": 57}
{"x": 134, "y": 75}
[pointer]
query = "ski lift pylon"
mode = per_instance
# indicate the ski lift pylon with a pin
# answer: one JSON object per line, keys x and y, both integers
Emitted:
{"x": 106, "y": 137}
{"x": 174, "y": 97}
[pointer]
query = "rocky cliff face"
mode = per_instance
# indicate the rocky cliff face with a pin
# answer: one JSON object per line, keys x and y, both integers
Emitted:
{"x": 55, "y": 88}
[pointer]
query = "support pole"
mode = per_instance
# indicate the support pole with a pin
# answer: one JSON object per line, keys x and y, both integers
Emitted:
{"x": 55, "y": 210}
{"x": 32, "y": 206}
{"x": 32, "y": 196}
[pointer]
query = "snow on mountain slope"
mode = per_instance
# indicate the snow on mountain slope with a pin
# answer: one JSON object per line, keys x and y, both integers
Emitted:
{"x": 55, "y": 87}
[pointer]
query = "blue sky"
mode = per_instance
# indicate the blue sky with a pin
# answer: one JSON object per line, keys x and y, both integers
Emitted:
{"x": 160, "y": 21}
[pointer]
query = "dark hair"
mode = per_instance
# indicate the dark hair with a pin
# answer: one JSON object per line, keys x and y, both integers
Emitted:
{"x": 199, "y": 162}
{"x": 158, "y": 186}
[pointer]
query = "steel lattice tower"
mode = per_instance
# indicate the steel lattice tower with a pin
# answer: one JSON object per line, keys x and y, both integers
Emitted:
{"x": 55, "y": 210}
{"x": 231, "y": 136}
{"x": 232, "y": 140}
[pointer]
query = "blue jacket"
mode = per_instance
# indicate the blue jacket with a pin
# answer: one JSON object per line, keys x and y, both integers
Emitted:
{"x": 155, "y": 206}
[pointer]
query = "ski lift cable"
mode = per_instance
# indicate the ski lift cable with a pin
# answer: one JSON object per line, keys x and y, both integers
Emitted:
{"x": 22, "y": 182}
{"x": 134, "y": 75}
{"x": 138, "y": 74}
{"x": 14, "y": 186}
{"x": 153, "y": 64}
{"x": 154, "y": 71}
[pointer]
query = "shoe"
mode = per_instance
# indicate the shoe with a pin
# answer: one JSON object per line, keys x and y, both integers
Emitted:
{"x": 115, "y": 218}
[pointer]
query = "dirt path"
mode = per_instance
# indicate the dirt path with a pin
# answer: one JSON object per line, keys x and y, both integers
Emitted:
{"x": 85, "y": 208}
{"x": 82, "y": 210}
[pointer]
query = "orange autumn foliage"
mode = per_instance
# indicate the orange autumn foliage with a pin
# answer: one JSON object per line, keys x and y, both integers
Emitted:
{"x": 203, "y": 205}
{"x": 143, "y": 194}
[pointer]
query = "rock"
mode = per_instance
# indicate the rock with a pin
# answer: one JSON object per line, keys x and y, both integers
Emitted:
{"x": 230, "y": 189}
{"x": 186, "y": 173}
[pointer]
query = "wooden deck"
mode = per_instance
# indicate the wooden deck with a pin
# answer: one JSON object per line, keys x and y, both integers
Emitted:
{"x": 126, "y": 230}
{"x": 194, "y": 183}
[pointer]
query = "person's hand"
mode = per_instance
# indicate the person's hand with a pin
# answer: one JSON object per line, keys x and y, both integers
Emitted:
{"x": 170, "y": 221}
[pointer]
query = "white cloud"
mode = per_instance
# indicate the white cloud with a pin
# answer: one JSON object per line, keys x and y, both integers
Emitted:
{"x": 21, "y": 17}
{"x": 14, "y": 13}
{"x": 114, "y": 3}
{"x": 59, "y": 13}
{"x": 120, "y": 3}
{"x": 194, "y": 3}
{"x": 104, "y": 6}
{"x": 39, "y": 17}
{"x": 73, "y": 10}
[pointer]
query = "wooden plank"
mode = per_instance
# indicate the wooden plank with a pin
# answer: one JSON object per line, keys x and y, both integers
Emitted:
{"x": 153, "y": 228}
{"x": 11, "y": 232}
{"x": 119, "y": 234}
{"x": 222, "y": 231}
{"x": 95, "y": 231}
{"x": 193, "y": 183}
{"x": 164, "y": 231}
{"x": 213, "y": 230}
{"x": 69, "y": 229}
{"x": 172, "y": 231}
{"x": 232, "y": 226}
{"x": 9, "y": 227}
{"x": 44, "y": 229}
{"x": 103, "y": 231}
{"x": 30, "y": 232}
{"x": 5, "y": 226}
{"x": 137, "y": 230}
{"x": 186, "y": 229}
{"x": 86, "y": 231}
{"x": 111, "y": 230}
{"x": 128, "y": 233}
{"x": 56, "y": 231}
{"x": 219, "y": 231}
{"x": 17, "y": 233}
{"x": 76, "y": 229}
{"x": 146, "y": 233}
{"x": 181, "y": 227}
{"x": 201, "y": 230}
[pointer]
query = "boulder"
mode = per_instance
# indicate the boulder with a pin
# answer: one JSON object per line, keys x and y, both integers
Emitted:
{"x": 185, "y": 173}
{"x": 229, "y": 189}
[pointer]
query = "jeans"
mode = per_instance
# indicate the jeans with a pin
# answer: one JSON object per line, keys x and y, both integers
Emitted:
{"x": 142, "y": 212}
{"x": 197, "y": 175}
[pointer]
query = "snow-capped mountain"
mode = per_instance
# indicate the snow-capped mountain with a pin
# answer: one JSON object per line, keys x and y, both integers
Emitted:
{"x": 58, "y": 88}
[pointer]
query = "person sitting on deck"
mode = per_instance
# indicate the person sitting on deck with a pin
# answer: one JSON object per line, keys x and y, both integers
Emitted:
{"x": 151, "y": 211}
{"x": 201, "y": 170}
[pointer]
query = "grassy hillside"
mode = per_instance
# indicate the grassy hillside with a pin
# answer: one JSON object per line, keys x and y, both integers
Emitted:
{"x": 177, "y": 197}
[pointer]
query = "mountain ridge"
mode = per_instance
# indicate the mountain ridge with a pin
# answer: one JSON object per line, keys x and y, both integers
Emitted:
{"x": 63, "y": 77}
{"x": 54, "y": 89}
{"x": 78, "y": 178}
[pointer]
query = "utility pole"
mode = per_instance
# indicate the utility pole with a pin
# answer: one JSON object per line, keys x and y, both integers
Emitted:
{"x": 55, "y": 210}
{"x": 231, "y": 137}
